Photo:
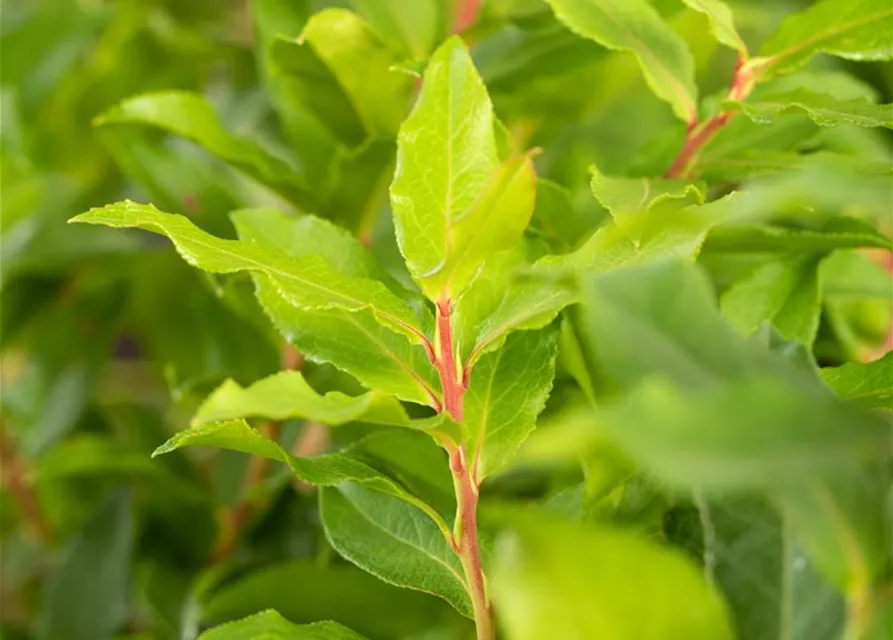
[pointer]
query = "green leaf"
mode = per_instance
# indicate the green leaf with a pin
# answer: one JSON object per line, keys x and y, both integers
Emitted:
{"x": 194, "y": 118}
{"x": 309, "y": 282}
{"x": 635, "y": 26}
{"x": 86, "y": 597}
{"x": 635, "y": 196}
{"x": 394, "y": 541}
{"x": 413, "y": 27}
{"x": 340, "y": 592}
{"x": 556, "y": 218}
{"x": 824, "y": 110}
{"x": 858, "y": 31}
{"x": 556, "y": 579}
{"x": 867, "y": 384}
{"x": 324, "y": 470}
{"x": 449, "y": 185}
{"x": 762, "y": 432}
{"x": 342, "y": 73}
{"x": 722, "y": 22}
{"x": 286, "y": 395}
{"x": 785, "y": 292}
{"x": 269, "y": 625}
{"x": 840, "y": 232}
{"x": 507, "y": 390}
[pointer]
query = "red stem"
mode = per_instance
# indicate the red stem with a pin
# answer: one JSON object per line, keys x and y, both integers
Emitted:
{"x": 450, "y": 379}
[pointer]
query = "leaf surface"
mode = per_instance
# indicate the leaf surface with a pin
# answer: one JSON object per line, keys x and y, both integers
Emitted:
{"x": 601, "y": 583}
{"x": 722, "y": 22}
{"x": 269, "y": 625}
{"x": 859, "y": 30}
{"x": 507, "y": 391}
{"x": 785, "y": 292}
{"x": 868, "y": 384}
{"x": 824, "y": 110}
{"x": 631, "y": 196}
{"x": 635, "y": 26}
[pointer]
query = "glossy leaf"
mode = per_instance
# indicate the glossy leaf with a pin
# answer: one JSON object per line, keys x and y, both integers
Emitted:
{"x": 722, "y": 22}
{"x": 394, "y": 541}
{"x": 192, "y": 117}
{"x": 601, "y": 583}
{"x": 272, "y": 626}
{"x": 286, "y": 395}
{"x": 785, "y": 292}
{"x": 858, "y": 31}
{"x": 636, "y": 26}
{"x": 446, "y": 164}
{"x": 507, "y": 390}
{"x": 325, "y": 470}
{"x": 867, "y": 384}
{"x": 309, "y": 282}
{"x": 821, "y": 109}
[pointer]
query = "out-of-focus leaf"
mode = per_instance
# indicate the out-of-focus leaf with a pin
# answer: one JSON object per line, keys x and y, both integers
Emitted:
{"x": 413, "y": 28}
{"x": 86, "y": 597}
{"x": 868, "y": 384}
{"x": 269, "y": 625}
{"x": 394, "y": 541}
{"x": 785, "y": 292}
{"x": 637, "y": 27}
{"x": 194, "y": 118}
{"x": 837, "y": 233}
{"x": 822, "y": 109}
{"x": 858, "y": 31}
{"x": 340, "y": 593}
{"x": 575, "y": 582}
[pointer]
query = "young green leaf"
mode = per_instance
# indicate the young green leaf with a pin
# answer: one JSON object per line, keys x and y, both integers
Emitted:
{"x": 722, "y": 23}
{"x": 635, "y": 26}
{"x": 394, "y": 541}
{"x": 269, "y": 625}
{"x": 859, "y": 30}
{"x": 454, "y": 204}
{"x": 286, "y": 395}
{"x": 556, "y": 579}
{"x": 868, "y": 384}
{"x": 507, "y": 390}
{"x": 325, "y": 470}
{"x": 634, "y": 196}
{"x": 192, "y": 117}
{"x": 785, "y": 292}
{"x": 308, "y": 282}
{"x": 822, "y": 109}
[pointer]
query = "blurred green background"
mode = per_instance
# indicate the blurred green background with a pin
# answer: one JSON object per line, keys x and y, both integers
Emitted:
{"x": 109, "y": 340}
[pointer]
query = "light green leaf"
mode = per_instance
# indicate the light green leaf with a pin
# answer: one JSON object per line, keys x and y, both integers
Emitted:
{"x": 338, "y": 592}
{"x": 839, "y": 232}
{"x": 286, "y": 396}
{"x": 192, "y": 117}
{"x": 446, "y": 157}
{"x": 309, "y": 282}
{"x": 858, "y": 30}
{"x": 82, "y": 602}
{"x": 507, "y": 390}
{"x": 868, "y": 384}
{"x": 722, "y": 22}
{"x": 415, "y": 27}
{"x": 342, "y": 73}
{"x": 853, "y": 275}
{"x": 761, "y": 432}
{"x": 635, "y": 196}
{"x": 634, "y": 25}
{"x": 269, "y": 625}
{"x": 324, "y": 470}
{"x": 785, "y": 292}
{"x": 824, "y": 110}
{"x": 394, "y": 541}
{"x": 556, "y": 579}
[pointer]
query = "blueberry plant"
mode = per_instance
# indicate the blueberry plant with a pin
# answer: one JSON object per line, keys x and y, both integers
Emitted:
{"x": 532, "y": 329}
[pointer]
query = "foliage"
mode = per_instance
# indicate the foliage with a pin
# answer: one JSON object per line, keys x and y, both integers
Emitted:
{"x": 502, "y": 319}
